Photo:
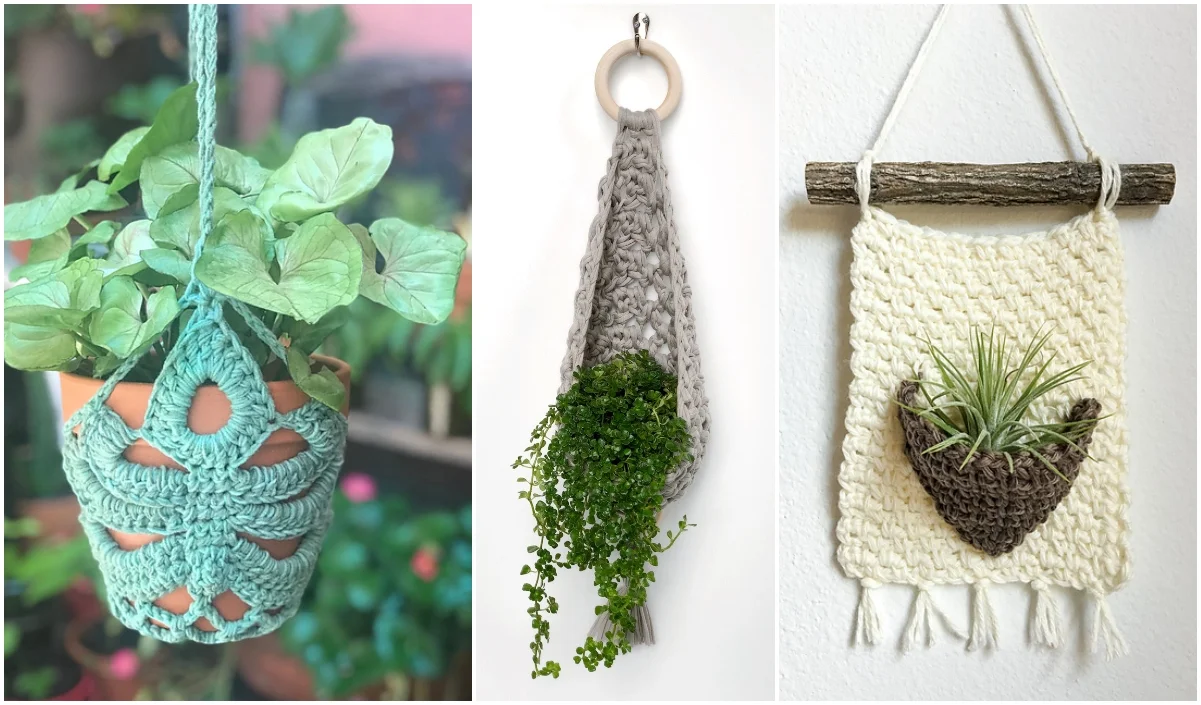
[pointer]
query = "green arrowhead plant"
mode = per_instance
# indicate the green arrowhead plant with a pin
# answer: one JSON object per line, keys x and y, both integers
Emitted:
{"x": 95, "y": 294}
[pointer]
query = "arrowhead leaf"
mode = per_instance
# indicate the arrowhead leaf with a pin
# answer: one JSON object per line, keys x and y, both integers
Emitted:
{"x": 45, "y": 215}
{"x": 175, "y": 122}
{"x": 328, "y": 169}
{"x": 319, "y": 265}
{"x": 115, "y": 157}
{"x": 120, "y": 325}
{"x": 421, "y": 269}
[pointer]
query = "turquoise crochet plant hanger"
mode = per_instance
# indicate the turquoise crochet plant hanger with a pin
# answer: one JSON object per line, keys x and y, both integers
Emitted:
{"x": 204, "y": 514}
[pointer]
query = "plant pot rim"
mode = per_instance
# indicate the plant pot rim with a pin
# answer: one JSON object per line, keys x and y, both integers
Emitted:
{"x": 339, "y": 368}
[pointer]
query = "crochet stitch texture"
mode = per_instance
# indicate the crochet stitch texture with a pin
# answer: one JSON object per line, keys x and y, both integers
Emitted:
{"x": 200, "y": 512}
{"x": 633, "y": 282}
{"x": 911, "y": 283}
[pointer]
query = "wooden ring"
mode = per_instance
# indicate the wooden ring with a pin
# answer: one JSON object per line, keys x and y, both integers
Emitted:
{"x": 675, "y": 82}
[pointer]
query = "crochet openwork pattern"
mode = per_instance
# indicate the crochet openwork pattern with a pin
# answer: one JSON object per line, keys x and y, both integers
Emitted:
{"x": 203, "y": 513}
{"x": 633, "y": 289}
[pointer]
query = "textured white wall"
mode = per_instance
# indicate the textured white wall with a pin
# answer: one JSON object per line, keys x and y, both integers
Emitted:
{"x": 541, "y": 142}
{"x": 1131, "y": 73}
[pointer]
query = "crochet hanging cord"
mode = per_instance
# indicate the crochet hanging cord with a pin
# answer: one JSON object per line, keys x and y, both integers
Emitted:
{"x": 908, "y": 521}
{"x": 206, "y": 516}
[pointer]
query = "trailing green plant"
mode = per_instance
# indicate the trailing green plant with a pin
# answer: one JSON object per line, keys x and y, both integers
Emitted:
{"x": 990, "y": 413}
{"x": 113, "y": 292}
{"x": 597, "y": 465}
{"x": 391, "y": 596}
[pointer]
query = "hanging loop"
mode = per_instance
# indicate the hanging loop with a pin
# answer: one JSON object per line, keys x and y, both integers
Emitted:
{"x": 642, "y": 28}
{"x": 675, "y": 81}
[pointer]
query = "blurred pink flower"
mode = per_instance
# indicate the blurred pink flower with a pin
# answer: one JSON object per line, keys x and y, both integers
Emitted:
{"x": 90, "y": 9}
{"x": 358, "y": 487}
{"x": 425, "y": 564}
{"x": 123, "y": 665}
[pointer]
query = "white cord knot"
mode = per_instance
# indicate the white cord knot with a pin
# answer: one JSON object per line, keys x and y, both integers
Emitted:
{"x": 1111, "y": 182}
{"x": 863, "y": 180}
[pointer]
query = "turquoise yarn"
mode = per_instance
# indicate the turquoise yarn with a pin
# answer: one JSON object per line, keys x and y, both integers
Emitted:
{"x": 200, "y": 512}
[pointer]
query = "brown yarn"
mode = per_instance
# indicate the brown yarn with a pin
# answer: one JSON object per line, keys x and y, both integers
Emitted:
{"x": 990, "y": 506}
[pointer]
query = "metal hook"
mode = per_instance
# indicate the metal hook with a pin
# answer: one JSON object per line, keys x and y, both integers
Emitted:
{"x": 641, "y": 19}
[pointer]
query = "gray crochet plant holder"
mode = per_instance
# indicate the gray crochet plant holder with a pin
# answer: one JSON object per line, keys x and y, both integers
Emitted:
{"x": 633, "y": 250}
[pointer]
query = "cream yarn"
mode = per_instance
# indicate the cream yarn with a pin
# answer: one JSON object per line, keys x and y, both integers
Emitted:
{"x": 910, "y": 284}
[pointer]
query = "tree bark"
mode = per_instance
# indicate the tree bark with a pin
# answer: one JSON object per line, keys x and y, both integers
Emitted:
{"x": 1042, "y": 183}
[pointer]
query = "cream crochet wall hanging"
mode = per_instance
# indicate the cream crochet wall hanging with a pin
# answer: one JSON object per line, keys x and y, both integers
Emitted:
{"x": 914, "y": 513}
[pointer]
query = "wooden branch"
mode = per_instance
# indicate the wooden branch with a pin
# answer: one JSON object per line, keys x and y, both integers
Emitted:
{"x": 1042, "y": 183}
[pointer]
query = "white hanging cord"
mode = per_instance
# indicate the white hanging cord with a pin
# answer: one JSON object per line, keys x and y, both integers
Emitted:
{"x": 863, "y": 171}
{"x": 1111, "y": 175}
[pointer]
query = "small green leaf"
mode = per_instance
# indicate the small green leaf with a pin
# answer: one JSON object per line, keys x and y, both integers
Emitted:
{"x": 115, "y": 157}
{"x": 178, "y": 166}
{"x": 46, "y": 215}
{"x": 169, "y": 262}
{"x": 178, "y": 222}
{"x": 124, "y": 254}
{"x": 41, "y": 317}
{"x": 175, "y": 122}
{"x": 29, "y": 347}
{"x": 307, "y": 337}
{"x": 318, "y": 265}
{"x": 328, "y": 169}
{"x": 62, "y": 300}
{"x": 120, "y": 325}
{"x": 421, "y": 269}
{"x": 324, "y": 386}
{"x": 101, "y": 234}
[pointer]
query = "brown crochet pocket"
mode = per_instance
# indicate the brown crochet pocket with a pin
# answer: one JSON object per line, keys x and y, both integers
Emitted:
{"x": 990, "y": 506}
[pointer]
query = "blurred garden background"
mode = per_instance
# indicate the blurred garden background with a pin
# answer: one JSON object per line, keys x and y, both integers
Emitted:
{"x": 388, "y": 612}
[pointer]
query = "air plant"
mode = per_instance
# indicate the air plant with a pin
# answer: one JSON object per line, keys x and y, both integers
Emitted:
{"x": 990, "y": 414}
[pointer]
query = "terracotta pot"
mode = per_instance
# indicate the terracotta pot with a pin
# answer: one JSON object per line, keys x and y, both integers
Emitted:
{"x": 209, "y": 412}
{"x": 58, "y": 516}
{"x": 95, "y": 666}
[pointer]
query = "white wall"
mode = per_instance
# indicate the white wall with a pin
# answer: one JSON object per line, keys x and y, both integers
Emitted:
{"x": 541, "y": 143}
{"x": 1131, "y": 73}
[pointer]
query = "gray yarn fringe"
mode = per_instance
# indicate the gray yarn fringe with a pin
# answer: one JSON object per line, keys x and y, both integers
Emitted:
{"x": 644, "y": 628}
{"x": 633, "y": 249}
